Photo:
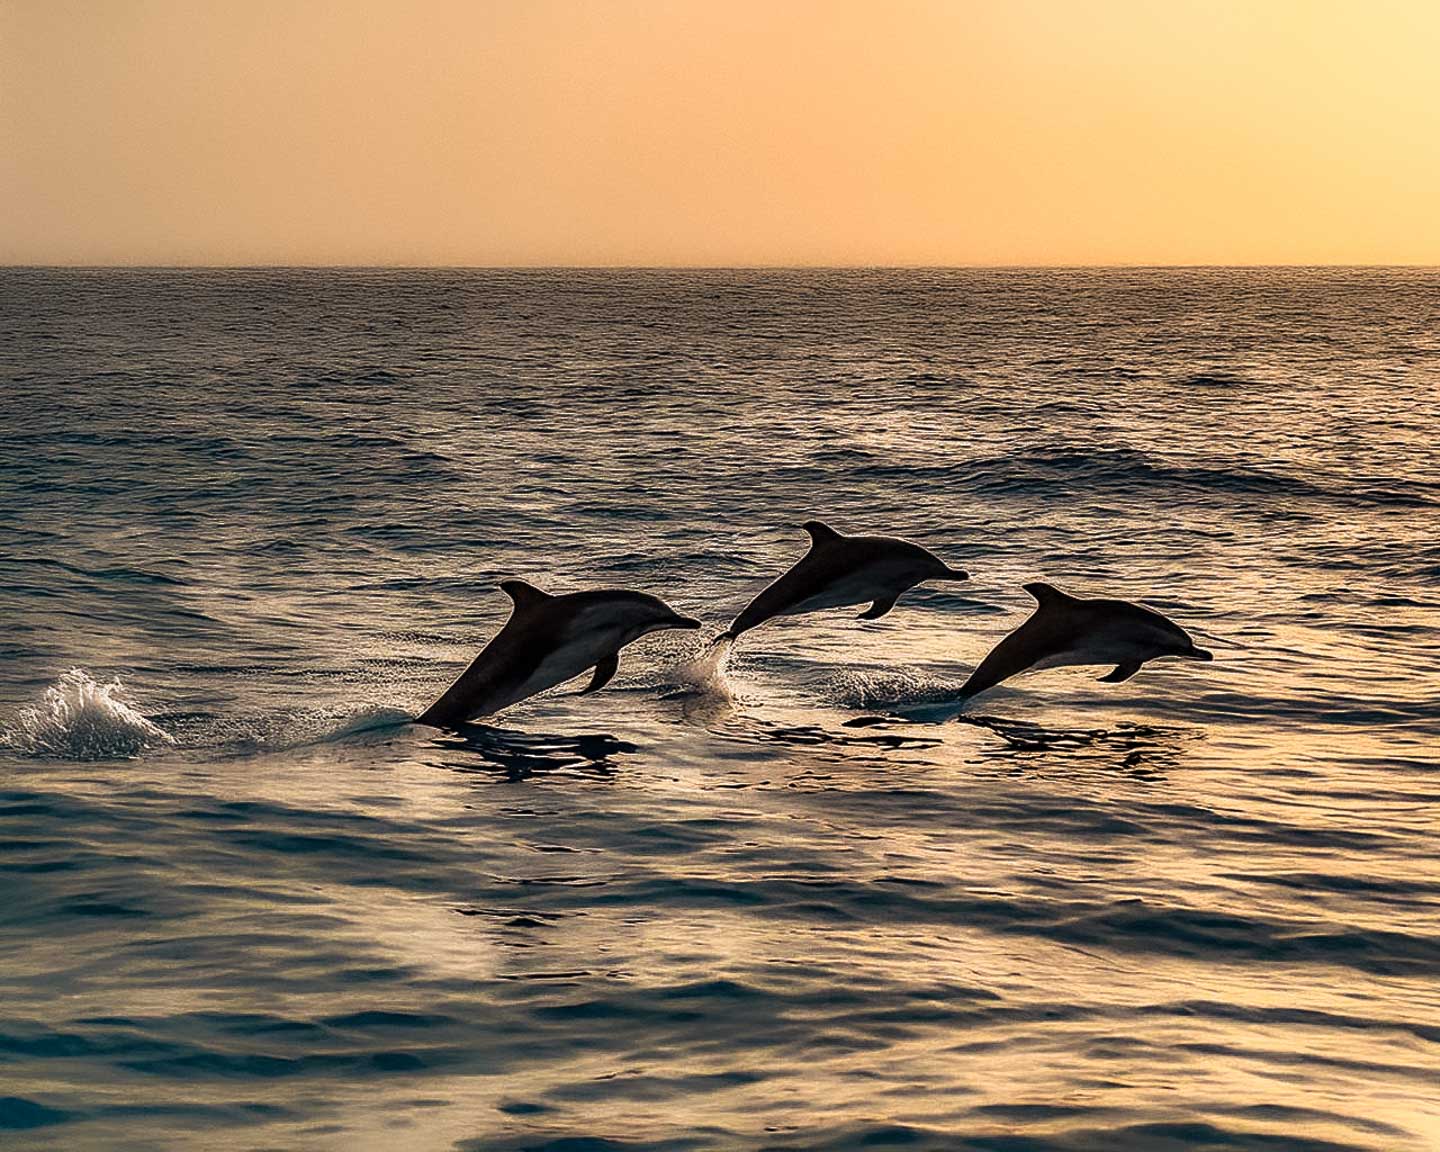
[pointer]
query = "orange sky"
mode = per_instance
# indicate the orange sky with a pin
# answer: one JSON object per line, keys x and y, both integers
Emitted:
{"x": 687, "y": 132}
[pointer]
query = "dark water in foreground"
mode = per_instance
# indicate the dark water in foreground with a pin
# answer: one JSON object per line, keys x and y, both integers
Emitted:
{"x": 1197, "y": 910}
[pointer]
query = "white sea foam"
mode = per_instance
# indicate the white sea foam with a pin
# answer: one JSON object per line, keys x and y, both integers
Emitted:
{"x": 704, "y": 674}
{"x": 890, "y": 689}
{"x": 79, "y": 718}
{"x": 368, "y": 724}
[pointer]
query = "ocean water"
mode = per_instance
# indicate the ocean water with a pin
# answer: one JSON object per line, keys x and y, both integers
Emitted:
{"x": 252, "y": 521}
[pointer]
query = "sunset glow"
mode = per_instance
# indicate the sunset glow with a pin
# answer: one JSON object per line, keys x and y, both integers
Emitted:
{"x": 1114, "y": 131}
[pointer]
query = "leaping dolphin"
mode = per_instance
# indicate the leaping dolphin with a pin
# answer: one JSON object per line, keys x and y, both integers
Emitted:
{"x": 842, "y": 570}
{"x": 547, "y": 640}
{"x": 1065, "y": 630}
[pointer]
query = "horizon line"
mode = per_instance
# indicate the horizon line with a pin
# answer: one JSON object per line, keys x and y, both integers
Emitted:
{"x": 756, "y": 267}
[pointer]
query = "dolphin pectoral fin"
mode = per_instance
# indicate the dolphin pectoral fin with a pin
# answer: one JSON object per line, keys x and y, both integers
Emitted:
{"x": 603, "y": 671}
{"x": 878, "y": 609}
{"x": 1122, "y": 672}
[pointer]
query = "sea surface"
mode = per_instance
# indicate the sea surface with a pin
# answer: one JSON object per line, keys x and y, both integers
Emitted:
{"x": 252, "y": 521}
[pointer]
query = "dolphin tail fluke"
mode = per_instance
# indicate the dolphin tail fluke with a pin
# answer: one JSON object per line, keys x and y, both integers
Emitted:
{"x": 878, "y": 609}
{"x": 1121, "y": 673}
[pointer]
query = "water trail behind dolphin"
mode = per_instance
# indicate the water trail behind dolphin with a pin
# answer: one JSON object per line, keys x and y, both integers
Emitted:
{"x": 704, "y": 674}
{"x": 894, "y": 690}
{"x": 936, "y": 713}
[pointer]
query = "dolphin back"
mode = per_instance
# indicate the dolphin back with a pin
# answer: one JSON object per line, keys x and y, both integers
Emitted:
{"x": 842, "y": 570}
{"x": 1067, "y": 630}
{"x": 801, "y": 580}
{"x": 547, "y": 640}
{"x": 494, "y": 677}
{"x": 489, "y": 683}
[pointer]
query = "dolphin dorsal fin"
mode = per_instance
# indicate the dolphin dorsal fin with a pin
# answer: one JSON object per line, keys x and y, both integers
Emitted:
{"x": 523, "y": 593}
{"x": 1047, "y": 595}
{"x": 820, "y": 533}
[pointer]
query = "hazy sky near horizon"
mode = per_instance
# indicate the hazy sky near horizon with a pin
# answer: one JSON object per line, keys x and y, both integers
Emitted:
{"x": 687, "y": 132}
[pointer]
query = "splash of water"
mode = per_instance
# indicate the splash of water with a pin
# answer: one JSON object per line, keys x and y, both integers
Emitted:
{"x": 891, "y": 689}
{"x": 370, "y": 723}
{"x": 704, "y": 674}
{"x": 79, "y": 718}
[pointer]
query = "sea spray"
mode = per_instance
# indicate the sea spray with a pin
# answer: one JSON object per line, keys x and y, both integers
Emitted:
{"x": 704, "y": 674}
{"x": 79, "y": 718}
{"x": 889, "y": 689}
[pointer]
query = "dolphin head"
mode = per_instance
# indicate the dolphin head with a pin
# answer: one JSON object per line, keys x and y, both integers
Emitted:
{"x": 1133, "y": 624}
{"x": 916, "y": 562}
{"x": 945, "y": 572}
{"x": 645, "y": 614}
{"x": 1178, "y": 642}
{"x": 935, "y": 568}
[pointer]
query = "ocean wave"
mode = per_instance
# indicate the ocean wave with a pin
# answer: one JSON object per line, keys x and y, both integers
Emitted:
{"x": 121, "y": 574}
{"x": 79, "y": 718}
{"x": 1107, "y": 469}
{"x": 1219, "y": 379}
{"x": 1122, "y": 926}
{"x": 255, "y": 733}
{"x": 374, "y": 382}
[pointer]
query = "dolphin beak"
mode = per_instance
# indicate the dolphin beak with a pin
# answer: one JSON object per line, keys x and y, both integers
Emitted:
{"x": 955, "y": 574}
{"x": 684, "y": 622}
{"x": 1200, "y": 654}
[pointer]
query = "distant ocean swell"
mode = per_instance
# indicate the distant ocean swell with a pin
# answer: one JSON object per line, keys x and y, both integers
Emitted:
{"x": 1120, "y": 470}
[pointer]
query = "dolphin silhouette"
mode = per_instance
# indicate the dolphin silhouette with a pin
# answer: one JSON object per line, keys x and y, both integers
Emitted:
{"x": 842, "y": 570}
{"x": 1065, "y": 630}
{"x": 547, "y": 640}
